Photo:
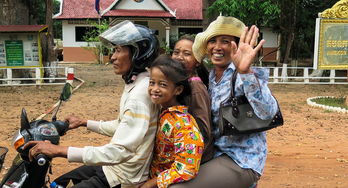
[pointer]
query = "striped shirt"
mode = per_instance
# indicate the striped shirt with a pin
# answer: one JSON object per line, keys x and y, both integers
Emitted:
{"x": 126, "y": 159}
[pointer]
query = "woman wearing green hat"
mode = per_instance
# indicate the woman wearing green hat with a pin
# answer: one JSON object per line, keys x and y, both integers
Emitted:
{"x": 239, "y": 160}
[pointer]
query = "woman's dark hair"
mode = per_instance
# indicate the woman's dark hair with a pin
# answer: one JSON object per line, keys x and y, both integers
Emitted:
{"x": 202, "y": 71}
{"x": 175, "y": 72}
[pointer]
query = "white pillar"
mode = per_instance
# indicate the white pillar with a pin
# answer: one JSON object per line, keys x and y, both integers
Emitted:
{"x": 9, "y": 76}
{"x": 285, "y": 73}
{"x": 275, "y": 75}
{"x": 38, "y": 76}
{"x": 167, "y": 35}
{"x": 332, "y": 76}
{"x": 305, "y": 75}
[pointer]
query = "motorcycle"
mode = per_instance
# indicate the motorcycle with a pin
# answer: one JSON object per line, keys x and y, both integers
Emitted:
{"x": 32, "y": 174}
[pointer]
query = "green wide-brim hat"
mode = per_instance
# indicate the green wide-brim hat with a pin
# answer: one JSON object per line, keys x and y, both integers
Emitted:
{"x": 221, "y": 26}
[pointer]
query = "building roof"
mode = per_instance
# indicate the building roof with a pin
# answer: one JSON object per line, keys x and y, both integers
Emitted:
{"x": 74, "y": 9}
{"x": 185, "y": 10}
{"x": 22, "y": 28}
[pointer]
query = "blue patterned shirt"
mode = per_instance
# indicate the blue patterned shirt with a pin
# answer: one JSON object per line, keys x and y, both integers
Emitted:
{"x": 248, "y": 151}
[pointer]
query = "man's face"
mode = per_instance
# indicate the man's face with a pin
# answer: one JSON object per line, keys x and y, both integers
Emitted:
{"x": 121, "y": 59}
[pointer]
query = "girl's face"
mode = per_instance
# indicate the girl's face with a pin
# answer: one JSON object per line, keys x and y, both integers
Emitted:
{"x": 183, "y": 53}
{"x": 121, "y": 59}
{"x": 161, "y": 90}
{"x": 219, "y": 50}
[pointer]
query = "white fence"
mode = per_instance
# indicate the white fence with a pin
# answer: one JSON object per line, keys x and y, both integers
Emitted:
{"x": 306, "y": 75}
{"x": 278, "y": 75}
{"x": 33, "y": 76}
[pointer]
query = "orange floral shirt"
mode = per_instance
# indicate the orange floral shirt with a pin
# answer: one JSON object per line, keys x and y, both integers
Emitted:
{"x": 178, "y": 147}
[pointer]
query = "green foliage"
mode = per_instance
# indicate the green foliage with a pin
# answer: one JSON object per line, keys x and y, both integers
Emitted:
{"x": 258, "y": 12}
{"x": 284, "y": 16}
{"x": 57, "y": 24}
{"x": 92, "y": 35}
{"x": 94, "y": 43}
{"x": 37, "y": 11}
{"x": 307, "y": 12}
{"x": 166, "y": 48}
{"x": 334, "y": 102}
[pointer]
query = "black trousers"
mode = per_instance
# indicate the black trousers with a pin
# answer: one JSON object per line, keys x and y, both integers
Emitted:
{"x": 85, "y": 177}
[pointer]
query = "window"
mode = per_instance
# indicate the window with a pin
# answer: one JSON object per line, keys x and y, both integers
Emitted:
{"x": 144, "y": 23}
{"x": 183, "y": 31}
{"x": 80, "y": 33}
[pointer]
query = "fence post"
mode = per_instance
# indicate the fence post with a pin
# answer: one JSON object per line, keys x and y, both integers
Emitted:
{"x": 70, "y": 75}
{"x": 9, "y": 76}
{"x": 332, "y": 76}
{"x": 285, "y": 73}
{"x": 38, "y": 76}
{"x": 275, "y": 74}
{"x": 305, "y": 75}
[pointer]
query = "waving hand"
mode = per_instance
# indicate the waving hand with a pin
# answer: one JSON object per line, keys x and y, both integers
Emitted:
{"x": 244, "y": 54}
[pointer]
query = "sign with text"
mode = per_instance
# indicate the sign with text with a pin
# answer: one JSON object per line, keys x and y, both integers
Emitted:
{"x": 332, "y": 44}
{"x": 14, "y": 52}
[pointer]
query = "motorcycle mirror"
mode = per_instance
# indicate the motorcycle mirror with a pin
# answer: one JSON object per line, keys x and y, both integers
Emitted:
{"x": 64, "y": 96}
{"x": 66, "y": 92}
{"x": 25, "y": 125}
{"x": 24, "y": 120}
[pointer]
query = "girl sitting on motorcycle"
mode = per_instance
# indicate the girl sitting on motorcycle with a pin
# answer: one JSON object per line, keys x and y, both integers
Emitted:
{"x": 179, "y": 144}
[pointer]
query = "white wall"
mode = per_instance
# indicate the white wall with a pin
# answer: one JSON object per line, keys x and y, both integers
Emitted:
{"x": 145, "y": 5}
{"x": 69, "y": 39}
{"x": 270, "y": 37}
{"x": 156, "y": 25}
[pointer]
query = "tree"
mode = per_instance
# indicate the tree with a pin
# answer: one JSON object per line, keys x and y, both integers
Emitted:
{"x": 207, "y": 17}
{"x": 9, "y": 12}
{"x": 258, "y": 12}
{"x": 294, "y": 20}
{"x": 29, "y": 12}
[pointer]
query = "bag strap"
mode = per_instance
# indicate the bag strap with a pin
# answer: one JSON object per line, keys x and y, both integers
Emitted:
{"x": 232, "y": 98}
{"x": 233, "y": 83}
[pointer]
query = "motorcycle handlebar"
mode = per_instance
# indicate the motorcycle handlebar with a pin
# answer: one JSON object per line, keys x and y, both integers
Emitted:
{"x": 41, "y": 159}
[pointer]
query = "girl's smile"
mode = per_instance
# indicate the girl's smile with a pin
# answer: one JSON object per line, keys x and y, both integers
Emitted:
{"x": 161, "y": 90}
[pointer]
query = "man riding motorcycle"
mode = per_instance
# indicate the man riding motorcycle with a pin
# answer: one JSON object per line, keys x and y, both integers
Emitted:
{"x": 126, "y": 159}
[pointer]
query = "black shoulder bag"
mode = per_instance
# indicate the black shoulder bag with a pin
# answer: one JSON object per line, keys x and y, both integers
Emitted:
{"x": 237, "y": 117}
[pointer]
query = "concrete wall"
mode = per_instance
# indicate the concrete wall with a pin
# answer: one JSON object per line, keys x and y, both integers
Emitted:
{"x": 68, "y": 32}
{"x": 78, "y": 54}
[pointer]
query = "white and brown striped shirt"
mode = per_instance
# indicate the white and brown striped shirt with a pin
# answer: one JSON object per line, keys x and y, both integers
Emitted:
{"x": 126, "y": 159}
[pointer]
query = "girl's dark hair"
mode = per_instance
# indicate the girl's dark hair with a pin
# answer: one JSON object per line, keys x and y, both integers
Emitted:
{"x": 202, "y": 71}
{"x": 175, "y": 72}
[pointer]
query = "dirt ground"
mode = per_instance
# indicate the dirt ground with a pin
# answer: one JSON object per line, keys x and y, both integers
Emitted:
{"x": 310, "y": 150}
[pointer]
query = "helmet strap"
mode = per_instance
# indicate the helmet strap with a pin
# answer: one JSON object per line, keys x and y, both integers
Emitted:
{"x": 131, "y": 76}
